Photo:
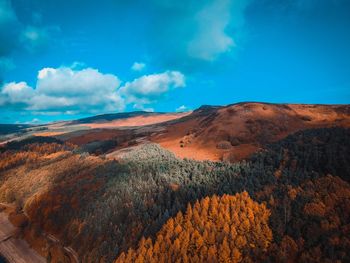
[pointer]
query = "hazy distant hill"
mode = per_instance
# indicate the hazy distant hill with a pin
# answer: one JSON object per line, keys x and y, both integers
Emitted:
{"x": 115, "y": 116}
{"x": 13, "y": 128}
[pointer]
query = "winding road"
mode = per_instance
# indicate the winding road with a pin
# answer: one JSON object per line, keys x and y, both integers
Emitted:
{"x": 13, "y": 249}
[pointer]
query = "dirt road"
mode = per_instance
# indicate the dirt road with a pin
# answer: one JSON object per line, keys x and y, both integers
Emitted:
{"x": 13, "y": 249}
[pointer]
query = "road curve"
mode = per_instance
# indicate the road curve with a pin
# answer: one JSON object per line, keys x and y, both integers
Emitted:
{"x": 7, "y": 235}
{"x": 13, "y": 249}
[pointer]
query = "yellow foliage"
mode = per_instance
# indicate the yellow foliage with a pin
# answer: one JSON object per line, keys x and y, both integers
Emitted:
{"x": 216, "y": 229}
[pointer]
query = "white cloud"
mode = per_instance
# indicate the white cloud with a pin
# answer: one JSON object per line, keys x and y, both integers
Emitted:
{"x": 64, "y": 89}
{"x": 138, "y": 66}
{"x": 143, "y": 108}
{"x": 77, "y": 65}
{"x": 33, "y": 34}
{"x": 34, "y": 121}
{"x": 211, "y": 38}
{"x": 68, "y": 90}
{"x": 202, "y": 30}
{"x": 181, "y": 108}
{"x": 34, "y": 38}
{"x": 149, "y": 88}
{"x": 67, "y": 81}
{"x": 16, "y": 93}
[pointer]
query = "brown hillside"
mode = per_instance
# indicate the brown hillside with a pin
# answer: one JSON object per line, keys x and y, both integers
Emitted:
{"x": 234, "y": 132}
{"x": 137, "y": 120}
{"x": 229, "y": 133}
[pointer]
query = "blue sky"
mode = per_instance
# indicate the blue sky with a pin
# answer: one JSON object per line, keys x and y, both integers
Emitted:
{"x": 65, "y": 59}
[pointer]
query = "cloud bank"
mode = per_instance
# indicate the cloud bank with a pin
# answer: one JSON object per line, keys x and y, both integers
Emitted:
{"x": 188, "y": 32}
{"x": 71, "y": 91}
{"x": 150, "y": 88}
{"x": 211, "y": 38}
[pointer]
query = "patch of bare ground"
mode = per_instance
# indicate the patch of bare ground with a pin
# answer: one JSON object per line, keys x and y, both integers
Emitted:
{"x": 14, "y": 248}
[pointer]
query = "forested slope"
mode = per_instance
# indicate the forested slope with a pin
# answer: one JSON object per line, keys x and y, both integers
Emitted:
{"x": 216, "y": 229}
{"x": 104, "y": 207}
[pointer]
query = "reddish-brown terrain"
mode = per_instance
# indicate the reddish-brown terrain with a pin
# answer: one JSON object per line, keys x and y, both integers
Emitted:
{"x": 137, "y": 120}
{"x": 14, "y": 248}
{"x": 235, "y": 131}
{"x": 228, "y": 133}
{"x": 73, "y": 202}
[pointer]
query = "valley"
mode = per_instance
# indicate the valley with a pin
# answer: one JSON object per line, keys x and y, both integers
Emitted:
{"x": 106, "y": 194}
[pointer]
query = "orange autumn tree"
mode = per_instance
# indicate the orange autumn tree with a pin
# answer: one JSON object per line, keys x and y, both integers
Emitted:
{"x": 215, "y": 229}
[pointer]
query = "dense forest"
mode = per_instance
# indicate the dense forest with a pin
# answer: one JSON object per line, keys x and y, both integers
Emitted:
{"x": 216, "y": 229}
{"x": 292, "y": 201}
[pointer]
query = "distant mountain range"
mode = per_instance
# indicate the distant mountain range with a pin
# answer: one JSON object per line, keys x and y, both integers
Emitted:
{"x": 13, "y": 128}
{"x": 229, "y": 133}
{"x": 115, "y": 116}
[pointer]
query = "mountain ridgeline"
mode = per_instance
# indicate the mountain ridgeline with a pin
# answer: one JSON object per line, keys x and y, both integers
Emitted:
{"x": 114, "y": 116}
